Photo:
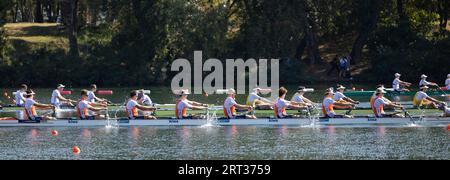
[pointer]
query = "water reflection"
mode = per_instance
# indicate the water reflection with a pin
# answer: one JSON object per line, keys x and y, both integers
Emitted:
{"x": 231, "y": 142}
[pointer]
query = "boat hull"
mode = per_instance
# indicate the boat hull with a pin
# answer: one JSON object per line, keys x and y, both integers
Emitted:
{"x": 230, "y": 122}
{"x": 393, "y": 93}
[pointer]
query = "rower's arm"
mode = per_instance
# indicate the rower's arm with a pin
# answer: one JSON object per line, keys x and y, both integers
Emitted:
{"x": 265, "y": 100}
{"x": 97, "y": 104}
{"x": 307, "y": 100}
{"x": 403, "y": 83}
{"x": 342, "y": 104}
{"x": 434, "y": 100}
{"x": 145, "y": 108}
{"x": 394, "y": 105}
{"x": 294, "y": 107}
{"x": 99, "y": 99}
{"x": 240, "y": 106}
{"x": 61, "y": 98}
{"x": 351, "y": 100}
{"x": 197, "y": 103}
{"x": 96, "y": 108}
{"x": 298, "y": 104}
{"x": 199, "y": 108}
{"x": 43, "y": 106}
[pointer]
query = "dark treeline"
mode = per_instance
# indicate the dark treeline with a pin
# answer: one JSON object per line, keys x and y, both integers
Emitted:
{"x": 133, "y": 42}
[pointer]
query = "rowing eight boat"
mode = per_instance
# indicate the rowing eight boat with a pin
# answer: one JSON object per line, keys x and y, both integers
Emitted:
{"x": 391, "y": 93}
{"x": 231, "y": 122}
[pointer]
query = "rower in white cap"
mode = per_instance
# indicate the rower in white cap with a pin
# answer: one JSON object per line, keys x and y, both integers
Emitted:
{"x": 230, "y": 106}
{"x": 257, "y": 101}
{"x": 380, "y": 104}
{"x": 300, "y": 99}
{"x": 341, "y": 98}
{"x": 58, "y": 100}
{"x": 422, "y": 100}
{"x": 424, "y": 82}
{"x": 447, "y": 83}
{"x": 328, "y": 105}
{"x": 183, "y": 104}
{"x": 399, "y": 85}
{"x": 31, "y": 106}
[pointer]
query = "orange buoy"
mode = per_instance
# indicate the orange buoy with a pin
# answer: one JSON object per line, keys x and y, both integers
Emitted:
{"x": 54, "y": 133}
{"x": 448, "y": 127}
{"x": 76, "y": 150}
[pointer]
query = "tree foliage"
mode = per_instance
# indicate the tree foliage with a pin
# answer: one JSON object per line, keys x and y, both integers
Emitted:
{"x": 133, "y": 42}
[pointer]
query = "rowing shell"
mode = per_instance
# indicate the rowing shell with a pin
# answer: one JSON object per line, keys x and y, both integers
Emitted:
{"x": 393, "y": 93}
{"x": 230, "y": 122}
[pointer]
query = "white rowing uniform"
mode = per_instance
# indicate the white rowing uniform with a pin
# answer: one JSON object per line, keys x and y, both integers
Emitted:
{"x": 298, "y": 98}
{"x": 132, "y": 110}
{"x": 328, "y": 107}
{"x": 30, "y": 109}
{"x": 424, "y": 82}
{"x": 181, "y": 108}
{"x": 421, "y": 96}
{"x": 280, "y": 107}
{"x": 146, "y": 101}
{"x": 379, "y": 107}
{"x": 91, "y": 96}
{"x": 83, "y": 109}
{"x": 396, "y": 84}
{"x": 230, "y": 107}
{"x": 252, "y": 97}
{"x": 339, "y": 96}
{"x": 55, "y": 100}
{"x": 19, "y": 98}
{"x": 447, "y": 84}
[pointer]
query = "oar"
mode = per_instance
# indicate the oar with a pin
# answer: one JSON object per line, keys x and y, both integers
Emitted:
{"x": 444, "y": 93}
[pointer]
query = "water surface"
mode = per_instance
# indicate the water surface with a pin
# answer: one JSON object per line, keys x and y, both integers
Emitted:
{"x": 232, "y": 142}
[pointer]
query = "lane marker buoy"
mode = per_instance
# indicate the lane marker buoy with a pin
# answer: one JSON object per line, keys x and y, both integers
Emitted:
{"x": 76, "y": 150}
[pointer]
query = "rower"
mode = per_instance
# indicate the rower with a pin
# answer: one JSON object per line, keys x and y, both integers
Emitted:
{"x": 144, "y": 99}
{"x": 31, "y": 105}
{"x": 257, "y": 101}
{"x": 447, "y": 83}
{"x": 329, "y": 104}
{"x": 89, "y": 110}
{"x": 230, "y": 106}
{"x": 133, "y": 106}
{"x": 399, "y": 85}
{"x": 57, "y": 98}
{"x": 341, "y": 98}
{"x": 300, "y": 99}
{"x": 93, "y": 98}
{"x": 281, "y": 105}
{"x": 372, "y": 99}
{"x": 19, "y": 97}
{"x": 183, "y": 104}
{"x": 421, "y": 99}
{"x": 380, "y": 103}
{"x": 424, "y": 82}
{"x": 445, "y": 109}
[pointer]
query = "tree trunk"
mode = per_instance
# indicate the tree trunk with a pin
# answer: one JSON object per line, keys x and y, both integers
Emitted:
{"x": 444, "y": 10}
{"x": 15, "y": 12}
{"x": 38, "y": 16}
{"x": 49, "y": 10}
{"x": 369, "y": 21}
{"x": 70, "y": 14}
{"x": 309, "y": 41}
